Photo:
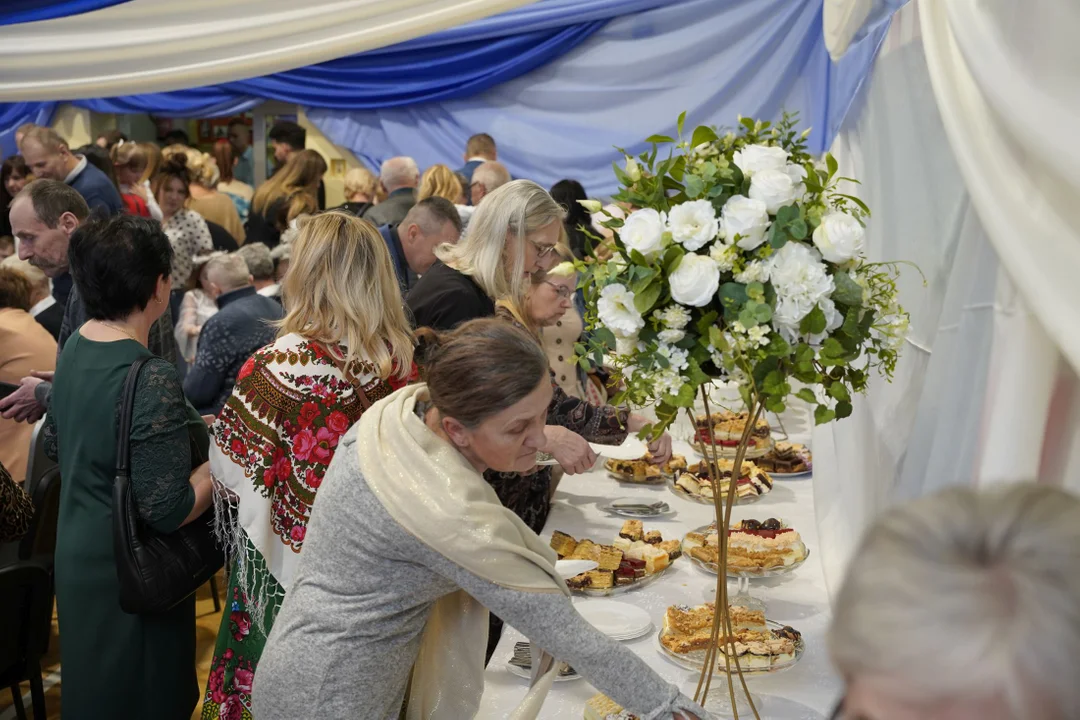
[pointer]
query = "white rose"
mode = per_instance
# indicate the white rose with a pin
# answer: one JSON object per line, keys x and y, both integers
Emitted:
{"x": 797, "y": 173}
{"x": 724, "y": 255}
{"x": 671, "y": 336}
{"x": 746, "y": 217}
{"x": 643, "y": 231}
{"x": 695, "y": 280}
{"x": 692, "y": 224}
{"x": 801, "y": 282}
{"x": 633, "y": 170}
{"x": 774, "y": 188}
{"x": 839, "y": 237}
{"x": 627, "y": 346}
{"x": 617, "y": 312}
{"x": 752, "y": 159}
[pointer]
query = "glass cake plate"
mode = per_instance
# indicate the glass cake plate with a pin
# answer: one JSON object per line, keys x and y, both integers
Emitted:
{"x": 696, "y": 660}
{"x": 621, "y": 589}
{"x": 792, "y": 476}
{"x": 728, "y": 453}
{"x": 705, "y": 500}
{"x": 755, "y": 573}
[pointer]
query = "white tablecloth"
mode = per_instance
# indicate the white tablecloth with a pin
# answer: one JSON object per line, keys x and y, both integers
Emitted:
{"x": 805, "y": 692}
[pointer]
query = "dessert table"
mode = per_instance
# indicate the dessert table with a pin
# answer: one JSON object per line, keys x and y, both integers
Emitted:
{"x": 806, "y": 691}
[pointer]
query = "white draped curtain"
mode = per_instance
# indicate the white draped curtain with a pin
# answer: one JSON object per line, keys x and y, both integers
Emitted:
{"x": 963, "y": 146}
{"x": 160, "y": 45}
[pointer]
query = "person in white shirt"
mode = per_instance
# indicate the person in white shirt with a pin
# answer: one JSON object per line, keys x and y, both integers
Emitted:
{"x": 198, "y": 306}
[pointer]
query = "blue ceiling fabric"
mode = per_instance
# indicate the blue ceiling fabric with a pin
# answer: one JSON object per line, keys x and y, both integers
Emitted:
{"x": 716, "y": 59}
{"x": 21, "y": 11}
{"x": 12, "y": 115}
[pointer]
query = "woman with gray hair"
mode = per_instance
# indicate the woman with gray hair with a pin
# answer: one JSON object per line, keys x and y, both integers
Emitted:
{"x": 964, "y": 605}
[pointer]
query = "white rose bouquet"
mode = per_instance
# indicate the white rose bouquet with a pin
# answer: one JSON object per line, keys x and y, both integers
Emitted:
{"x": 743, "y": 261}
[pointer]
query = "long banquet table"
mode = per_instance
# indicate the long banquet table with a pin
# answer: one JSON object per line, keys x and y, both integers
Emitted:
{"x": 805, "y": 692}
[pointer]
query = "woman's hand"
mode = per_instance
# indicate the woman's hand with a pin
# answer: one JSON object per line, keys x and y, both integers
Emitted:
{"x": 660, "y": 449}
{"x": 569, "y": 448}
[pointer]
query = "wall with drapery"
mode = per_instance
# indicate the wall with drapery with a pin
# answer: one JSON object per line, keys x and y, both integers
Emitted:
{"x": 985, "y": 393}
{"x": 716, "y": 60}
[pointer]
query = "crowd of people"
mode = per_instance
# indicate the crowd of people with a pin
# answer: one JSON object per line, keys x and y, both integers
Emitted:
{"x": 360, "y": 393}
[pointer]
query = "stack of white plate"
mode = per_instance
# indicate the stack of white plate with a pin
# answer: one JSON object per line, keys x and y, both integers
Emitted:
{"x": 617, "y": 620}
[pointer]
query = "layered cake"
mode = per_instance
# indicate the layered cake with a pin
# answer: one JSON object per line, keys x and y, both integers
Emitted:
{"x": 697, "y": 480}
{"x": 689, "y": 629}
{"x": 633, "y": 555}
{"x": 787, "y": 458}
{"x": 643, "y": 469}
{"x": 725, "y": 431}
{"x": 601, "y": 707}
{"x": 752, "y": 546}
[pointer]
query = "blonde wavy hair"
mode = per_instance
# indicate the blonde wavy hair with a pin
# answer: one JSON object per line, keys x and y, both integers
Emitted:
{"x": 439, "y": 181}
{"x": 341, "y": 290}
{"x": 492, "y": 252}
{"x": 296, "y": 182}
{"x": 203, "y": 167}
{"x": 360, "y": 180}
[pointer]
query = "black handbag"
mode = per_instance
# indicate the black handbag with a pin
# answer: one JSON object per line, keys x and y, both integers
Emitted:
{"x": 156, "y": 571}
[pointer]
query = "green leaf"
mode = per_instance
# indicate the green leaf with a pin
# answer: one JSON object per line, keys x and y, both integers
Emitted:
{"x": 831, "y": 164}
{"x": 694, "y": 186}
{"x": 787, "y": 215}
{"x": 755, "y": 291}
{"x": 857, "y": 201}
{"x": 647, "y": 298}
{"x": 798, "y": 229}
{"x": 732, "y": 298}
{"x": 808, "y": 395}
{"x": 823, "y": 415}
{"x": 775, "y": 403}
{"x": 814, "y": 323}
{"x": 773, "y": 382}
{"x": 804, "y": 353}
{"x": 832, "y": 349}
{"x": 762, "y": 313}
{"x": 685, "y": 398}
{"x": 659, "y": 139}
{"x": 638, "y": 259}
{"x": 703, "y": 134}
{"x": 604, "y": 336}
{"x": 677, "y": 169}
{"x": 644, "y": 279}
{"x": 672, "y": 257}
{"x": 847, "y": 292}
{"x": 843, "y": 410}
{"x": 778, "y": 347}
{"x": 747, "y": 317}
{"x": 583, "y": 363}
{"x": 716, "y": 339}
{"x": 838, "y": 391}
{"x": 621, "y": 174}
{"x": 747, "y": 123}
{"x": 777, "y": 237}
{"x": 705, "y": 321}
{"x": 694, "y": 373}
{"x": 679, "y": 123}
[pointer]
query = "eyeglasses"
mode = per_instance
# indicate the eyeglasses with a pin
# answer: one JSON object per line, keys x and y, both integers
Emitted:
{"x": 563, "y": 291}
{"x": 542, "y": 251}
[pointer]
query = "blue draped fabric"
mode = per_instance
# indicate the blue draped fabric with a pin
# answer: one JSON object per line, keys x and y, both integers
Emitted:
{"x": 715, "y": 59}
{"x": 21, "y": 11}
{"x": 12, "y": 115}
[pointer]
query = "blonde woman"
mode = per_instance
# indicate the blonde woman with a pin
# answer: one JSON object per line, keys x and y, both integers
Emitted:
{"x": 129, "y": 163}
{"x": 214, "y": 206}
{"x": 441, "y": 181}
{"x": 291, "y": 192}
{"x": 361, "y": 187}
{"x": 344, "y": 344}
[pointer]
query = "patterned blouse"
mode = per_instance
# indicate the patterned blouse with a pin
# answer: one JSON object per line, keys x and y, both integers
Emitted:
{"x": 16, "y": 509}
{"x": 190, "y": 236}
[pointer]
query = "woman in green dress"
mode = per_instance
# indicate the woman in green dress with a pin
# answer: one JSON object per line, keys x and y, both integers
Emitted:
{"x": 118, "y": 665}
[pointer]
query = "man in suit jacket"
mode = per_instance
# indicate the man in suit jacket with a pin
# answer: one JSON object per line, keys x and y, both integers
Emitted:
{"x": 48, "y": 156}
{"x": 480, "y": 149}
{"x": 399, "y": 176}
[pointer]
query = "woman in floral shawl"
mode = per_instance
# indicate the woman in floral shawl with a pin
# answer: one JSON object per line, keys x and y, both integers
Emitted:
{"x": 343, "y": 344}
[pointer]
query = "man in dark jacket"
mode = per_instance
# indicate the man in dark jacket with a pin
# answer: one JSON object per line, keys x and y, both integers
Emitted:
{"x": 399, "y": 177}
{"x": 241, "y": 326}
{"x": 430, "y": 223}
{"x": 479, "y": 150}
{"x": 48, "y": 156}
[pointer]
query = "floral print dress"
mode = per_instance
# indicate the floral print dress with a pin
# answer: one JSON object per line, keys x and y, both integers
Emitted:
{"x": 272, "y": 443}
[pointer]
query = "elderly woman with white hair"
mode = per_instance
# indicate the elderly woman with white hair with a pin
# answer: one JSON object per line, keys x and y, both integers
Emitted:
{"x": 964, "y": 606}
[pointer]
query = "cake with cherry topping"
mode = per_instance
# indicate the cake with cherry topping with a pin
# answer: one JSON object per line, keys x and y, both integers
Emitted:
{"x": 752, "y": 546}
{"x": 697, "y": 480}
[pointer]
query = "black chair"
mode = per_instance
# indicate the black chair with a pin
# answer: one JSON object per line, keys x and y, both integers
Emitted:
{"x": 39, "y": 463}
{"x": 40, "y": 540}
{"x": 26, "y": 602}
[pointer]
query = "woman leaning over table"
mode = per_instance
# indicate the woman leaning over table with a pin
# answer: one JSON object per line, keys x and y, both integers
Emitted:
{"x": 117, "y": 664}
{"x": 344, "y": 344}
{"x": 404, "y": 522}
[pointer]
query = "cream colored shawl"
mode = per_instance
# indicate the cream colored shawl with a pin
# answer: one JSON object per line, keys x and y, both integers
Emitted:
{"x": 433, "y": 492}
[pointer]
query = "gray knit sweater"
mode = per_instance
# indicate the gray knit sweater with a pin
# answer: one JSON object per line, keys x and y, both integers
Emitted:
{"x": 349, "y": 629}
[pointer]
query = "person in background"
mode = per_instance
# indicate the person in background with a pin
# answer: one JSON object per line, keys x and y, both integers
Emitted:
{"x": 260, "y": 265}
{"x": 7, "y": 247}
{"x": 153, "y": 164}
{"x": 197, "y": 307}
{"x": 25, "y": 346}
{"x": 129, "y": 163}
{"x": 20, "y": 132}
{"x": 139, "y": 666}
{"x": 99, "y": 157}
{"x": 284, "y": 197}
{"x": 14, "y": 174}
{"x": 176, "y": 137}
{"x": 44, "y": 216}
{"x": 282, "y": 257}
{"x": 287, "y": 139}
{"x": 238, "y": 191}
{"x": 403, "y": 635}
{"x": 16, "y": 509}
{"x": 428, "y": 224}
{"x": 203, "y": 197}
{"x": 240, "y": 142}
{"x": 186, "y": 229}
{"x": 107, "y": 141}
{"x": 43, "y": 306}
{"x": 567, "y": 193}
{"x": 399, "y": 177}
{"x": 344, "y": 344}
{"x": 360, "y": 190}
{"x": 48, "y": 156}
{"x": 478, "y": 150}
{"x": 552, "y": 311}
{"x": 990, "y": 580}
{"x": 441, "y": 181}
{"x": 487, "y": 178}
{"x": 243, "y": 324}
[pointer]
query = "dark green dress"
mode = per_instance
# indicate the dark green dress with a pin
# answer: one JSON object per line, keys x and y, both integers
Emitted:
{"x": 118, "y": 665}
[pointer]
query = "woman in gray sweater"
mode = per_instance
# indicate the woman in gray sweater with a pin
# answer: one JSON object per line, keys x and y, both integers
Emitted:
{"x": 407, "y": 545}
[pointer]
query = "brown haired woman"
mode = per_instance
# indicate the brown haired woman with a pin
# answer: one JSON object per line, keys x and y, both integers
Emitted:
{"x": 14, "y": 174}
{"x": 291, "y": 192}
{"x": 129, "y": 163}
{"x": 344, "y": 344}
{"x": 186, "y": 228}
{"x": 408, "y": 546}
{"x": 239, "y": 192}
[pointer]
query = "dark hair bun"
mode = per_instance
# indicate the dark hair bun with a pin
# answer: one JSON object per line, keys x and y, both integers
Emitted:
{"x": 176, "y": 162}
{"x": 428, "y": 344}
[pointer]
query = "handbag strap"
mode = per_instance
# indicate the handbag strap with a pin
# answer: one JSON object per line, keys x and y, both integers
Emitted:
{"x": 123, "y": 426}
{"x": 365, "y": 401}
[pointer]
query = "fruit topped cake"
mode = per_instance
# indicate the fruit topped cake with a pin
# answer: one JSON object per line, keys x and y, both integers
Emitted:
{"x": 632, "y": 556}
{"x": 726, "y": 429}
{"x": 787, "y": 458}
{"x": 752, "y": 546}
{"x": 696, "y": 479}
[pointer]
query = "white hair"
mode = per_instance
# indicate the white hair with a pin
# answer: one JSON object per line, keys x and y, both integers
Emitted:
{"x": 969, "y": 594}
{"x": 497, "y": 235}
{"x": 399, "y": 172}
{"x": 260, "y": 263}
{"x": 491, "y": 175}
{"x": 229, "y": 272}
